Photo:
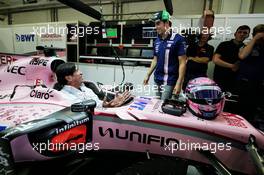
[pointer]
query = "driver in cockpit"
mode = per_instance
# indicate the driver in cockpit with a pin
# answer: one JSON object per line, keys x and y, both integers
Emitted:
{"x": 70, "y": 82}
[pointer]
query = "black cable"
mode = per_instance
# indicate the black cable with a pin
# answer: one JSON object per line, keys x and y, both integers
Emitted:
{"x": 121, "y": 63}
{"x": 82, "y": 7}
{"x": 14, "y": 90}
{"x": 168, "y": 6}
{"x": 30, "y": 86}
{"x": 114, "y": 51}
{"x": 13, "y": 93}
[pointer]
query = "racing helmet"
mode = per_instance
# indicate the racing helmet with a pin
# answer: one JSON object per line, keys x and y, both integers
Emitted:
{"x": 204, "y": 98}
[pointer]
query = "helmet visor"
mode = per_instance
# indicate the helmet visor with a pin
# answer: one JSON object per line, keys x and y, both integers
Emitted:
{"x": 207, "y": 94}
{"x": 206, "y": 101}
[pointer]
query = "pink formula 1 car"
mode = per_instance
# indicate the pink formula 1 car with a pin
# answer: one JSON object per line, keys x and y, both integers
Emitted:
{"x": 38, "y": 124}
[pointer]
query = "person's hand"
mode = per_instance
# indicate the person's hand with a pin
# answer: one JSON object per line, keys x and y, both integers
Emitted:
{"x": 119, "y": 99}
{"x": 235, "y": 67}
{"x": 177, "y": 89}
{"x": 259, "y": 36}
{"x": 146, "y": 80}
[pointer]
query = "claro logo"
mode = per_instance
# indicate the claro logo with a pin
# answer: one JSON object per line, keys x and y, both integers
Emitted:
{"x": 136, "y": 136}
{"x": 41, "y": 95}
{"x": 25, "y": 38}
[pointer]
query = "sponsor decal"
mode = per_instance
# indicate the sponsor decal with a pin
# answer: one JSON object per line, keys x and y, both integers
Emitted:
{"x": 41, "y": 95}
{"x": 71, "y": 125}
{"x": 39, "y": 62}
{"x": 234, "y": 120}
{"x": 25, "y": 38}
{"x": 146, "y": 98}
{"x": 16, "y": 70}
{"x": 6, "y": 59}
{"x": 136, "y": 136}
{"x": 2, "y": 128}
{"x": 157, "y": 47}
{"x": 38, "y": 82}
{"x": 51, "y": 37}
{"x": 140, "y": 103}
{"x": 168, "y": 46}
{"x": 72, "y": 136}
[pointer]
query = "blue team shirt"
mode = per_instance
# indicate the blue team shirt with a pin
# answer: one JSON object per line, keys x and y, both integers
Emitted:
{"x": 167, "y": 52}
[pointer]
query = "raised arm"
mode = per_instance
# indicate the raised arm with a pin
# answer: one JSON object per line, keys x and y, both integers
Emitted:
{"x": 248, "y": 48}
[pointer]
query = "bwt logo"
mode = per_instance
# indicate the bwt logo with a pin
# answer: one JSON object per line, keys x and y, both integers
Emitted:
{"x": 25, "y": 38}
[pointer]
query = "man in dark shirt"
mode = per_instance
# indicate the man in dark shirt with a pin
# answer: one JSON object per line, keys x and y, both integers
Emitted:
{"x": 199, "y": 54}
{"x": 226, "y": 60}
{"x": 251, "y": 74}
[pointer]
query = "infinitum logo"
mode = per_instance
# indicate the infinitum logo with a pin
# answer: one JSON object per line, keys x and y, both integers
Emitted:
{"x": 71, "y": 125}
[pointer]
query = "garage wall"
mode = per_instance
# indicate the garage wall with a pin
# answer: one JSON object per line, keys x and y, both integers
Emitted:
{"x": 65, "y": 14}
{"x": 235, "y": 6}
{"x": 180, "y": 7}
{"x": 69, "y": 14}
{"x": 32, "y": 17}
{"x": 94, "y": 72}
{"x": 259, "y": 6}
{"x": 3, "y": 22}
{"x": 216, "y": 6}
{"x": 143, "y": 6}
{"x": 191, "y": 7}
{"x": 24, "y": 38}
{"x": 230, "y": 7}
{"x": 6, "y": 40}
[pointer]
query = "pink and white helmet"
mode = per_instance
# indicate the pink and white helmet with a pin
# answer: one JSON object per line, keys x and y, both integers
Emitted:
{"x": 204, "y": 98}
